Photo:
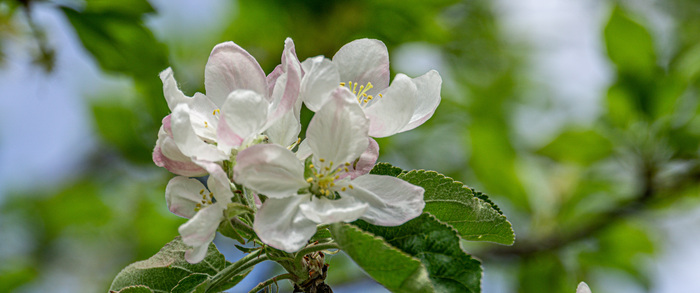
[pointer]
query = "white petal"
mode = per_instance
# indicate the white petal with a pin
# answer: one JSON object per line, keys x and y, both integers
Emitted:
{"x": 166, "y": 154}
{"x": 338, "y": 131}
{"x": 304, "y": 151}
{"x": 390, "y": 113}
{"x": 242, "y": 115}
{"x": 285, "y": 94}
{"x": 189, "y": 143}
{"x": 230, "y": 68}
{"x": 200, "y": 231}
{"x": 183, "y": 194}
{"x": 366, "y": 161}
{"x": 270, "y": 169}
{"x": 285, "y": 131}
{"x": 362, "y": 61}
{"x": 326, "y": 211}
{"x": 428, "y": 98}
{"x": 173, "y": 94}
{"x": 203, "y": 117}
{"x": 280, "y": 224}
{"x": 392, "y": 201}
{"x": 321, "y": 77}
{"x": 583, "y": 288}
{"x": 217, "y": 182}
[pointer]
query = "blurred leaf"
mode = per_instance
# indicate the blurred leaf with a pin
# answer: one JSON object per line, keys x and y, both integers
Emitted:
{"x": 437, "y": 246}
{"x": 622, "y": 247}
{"x": 128, "y": 7}
{"x": 119, "y": 42}
{"x": 15, "y": 277}
{"x": 395, "y": 270}
{"x": 544, "y": 273}
{"x": 168, "y": 269}
{"x": 121, "y": 127}
{"x": 78, "y": 205}
{"x": 629, "y": 44}
{"x": 578, "y": 146}
{"x": 453, "y": 203}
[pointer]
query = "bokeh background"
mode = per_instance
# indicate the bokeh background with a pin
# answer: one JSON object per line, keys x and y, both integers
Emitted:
{"x": 578, "y": 118}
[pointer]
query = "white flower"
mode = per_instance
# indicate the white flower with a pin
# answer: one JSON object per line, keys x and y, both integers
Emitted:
{"x": 204, "y": 207}
{"x": 240, "y": 104}
{"x": 336, "y": 136}
{"x": 583, "y": 288}
{"x": 363, "y": 67}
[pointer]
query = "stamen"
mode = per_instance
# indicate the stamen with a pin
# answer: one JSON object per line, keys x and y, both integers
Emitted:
{"x": 206, "y": 124}
{"x": 217, "y": 111}
{"x": 342, "y": 84}
{"x": 310, "y": 179}
{"x": 322, "y": 160}
{"x": 201, "y": 191}
{"x": 350, "y": 185}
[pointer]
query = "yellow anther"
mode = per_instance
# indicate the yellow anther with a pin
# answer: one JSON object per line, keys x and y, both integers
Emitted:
{"x": 350, "y": 185}
{"x": 309, "y": 179}
{"x": 209, "y": 202}
{"x": 311, "y": 165}
{"x": 337, "y": 177}
{"x": 343, "y": 189}
{"x": 332, "y": 184}
{"x": 206, "y": 124}
{"x": 346, "y": 169}
{"x": 322, "y": 160}
{"x": 354, "y": 88}
{"x": 201, "y": 191}
{"x": 381, "y": 96}
{"x": 347, "y": 163}
{"x": 342, "y": 84}
{"x": 216, "y": 112}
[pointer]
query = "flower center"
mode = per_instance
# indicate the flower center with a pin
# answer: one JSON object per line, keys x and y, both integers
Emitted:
{"x": 361, "y": 93}
{"x": 326, "y": 179}
{"x": 207, "y": 199}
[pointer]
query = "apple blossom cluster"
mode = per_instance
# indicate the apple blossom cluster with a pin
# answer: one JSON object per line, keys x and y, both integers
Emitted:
{"x": 244, "y": 134}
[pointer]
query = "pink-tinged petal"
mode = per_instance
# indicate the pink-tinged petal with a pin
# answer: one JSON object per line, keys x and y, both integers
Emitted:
{"x": 231, "y": 68}
{"x": 271, "y": 170}
{"x": 392, "y": 201}
{"x": 199, "y": 231}
{"x": 183, "y": 194}
{"x": 391, "y": 112}
{"x": 217, "y": 182}
{"x": 366, "y": 161}
{"x": 166, "y": 125}
{"x": 173, "y": 94}
{"x": 286, "y": 93}
{"x": 272, "y": 79}
{"x": 242, "y": 115}
{"x": 280, "y": 224}
{"x": 338, "y": 131}
{"x": 428, "y": 98}
{"x": 321, "y": 77}
{"x": 362, "y": 61}
{"x": 326, "y": 211}
{"x": 285, "y": 131}
{"x": 189, "y": 143}
{"x": 166, "y": 154}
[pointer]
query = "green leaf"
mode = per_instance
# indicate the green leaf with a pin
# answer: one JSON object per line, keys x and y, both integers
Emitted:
{"x": 629, "y": 44}
{"x": 125, "y": 134}
{"x": 226, "y": 228}
{"x": 392, "y": 268}
{"x": 453, "y": 203}
{"x": 133, "y": 289}
{"x": 194, "y": 283}
{"x": 578, "y": 146}
{"x": 119, "y": 42}
{"x": 168, "y": 269}
{"x": 386, "y": 169}
{"x": 437, "y": 246}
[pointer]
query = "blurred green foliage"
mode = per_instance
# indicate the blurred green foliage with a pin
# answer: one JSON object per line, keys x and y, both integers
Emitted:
{"x": 580, "y": 203}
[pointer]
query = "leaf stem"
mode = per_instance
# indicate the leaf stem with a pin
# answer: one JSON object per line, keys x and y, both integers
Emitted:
{"x": 242, "y": 264}
{"x": 270, "y": 281}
